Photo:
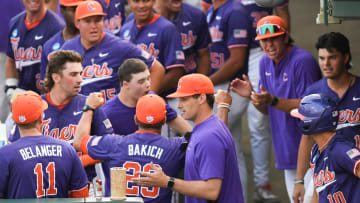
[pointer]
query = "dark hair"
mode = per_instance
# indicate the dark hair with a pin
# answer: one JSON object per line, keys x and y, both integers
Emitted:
{"x": 150, "y": 126}
{"x": 209, "y": 99}
{"x": 28, "y": 125}
{"x": 56, "y": 65}
{"x": 335, "y": 40}
{"x": 129, "y": 67}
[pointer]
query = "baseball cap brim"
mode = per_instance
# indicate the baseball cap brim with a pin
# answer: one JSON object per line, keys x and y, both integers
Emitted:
{"x": 92, "y": 14}
{"x": 295, "y": 113}
{"x": 268, "y": 35}
{"x": 179, "y": 94}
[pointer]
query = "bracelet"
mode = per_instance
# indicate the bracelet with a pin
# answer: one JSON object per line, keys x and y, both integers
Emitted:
{"x": 300, "y": 181}
{"x": 224, "y": 105}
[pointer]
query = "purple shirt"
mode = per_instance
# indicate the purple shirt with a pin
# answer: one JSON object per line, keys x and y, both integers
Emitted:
{"x": 195, "y": 35}
{"x": 135, "y": 152}
{"x": 122, "y": 116}
{"x": 26, "y": 46}
{"x": 24, "y": 163}
{"x": 348, "y": 106}
{"x": 229, "y": 27}
{"x": 8, "y": 10}
{"x": 115, "y": 14}
{"x": 160, "y": 38}
{"x": 211, "y": 154}
{"x": 288, "y": 79}
{"x": 334, "y": 168}
{"x": 102, "y": 61}
{"x": 49, "y": 48}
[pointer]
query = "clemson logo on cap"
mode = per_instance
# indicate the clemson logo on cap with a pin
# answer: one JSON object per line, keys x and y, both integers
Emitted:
{"x": 91, "y": 6}
{"x": 267, "y": 22}
{"x": 22, "y": 119}
{"x": 149, "y": 119}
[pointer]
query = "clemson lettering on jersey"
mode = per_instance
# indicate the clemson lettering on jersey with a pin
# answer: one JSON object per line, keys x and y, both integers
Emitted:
{"x": 145, "y": 150}
{"x": 41, "y": 151}
{"x": 348, "y": 117}
{"x": 66, "y": 133}
{"x": 324, "y": 177}
{"x": 96, "y": 71}
{"x": 114, "y": 23}
{"x": 216, "y": 34}
{"x": 188, "y": 40}
{"x": 28, "y": 56}
{"x": 149, "y": 49}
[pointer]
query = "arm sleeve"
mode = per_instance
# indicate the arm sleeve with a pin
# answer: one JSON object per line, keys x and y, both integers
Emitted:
{"x": 79, "y": 178}
{"x": 103, "y": 147}
{"x": 100, "y": 124}
{"x": 171, "y": 52}
{"x": 238, "y": 28}
{"x": 346, "y": 156}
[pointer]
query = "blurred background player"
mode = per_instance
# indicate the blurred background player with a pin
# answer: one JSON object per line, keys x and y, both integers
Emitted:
{"x": 104, "y": 53}
{"x": 28, "y": 32}
{"x": 159, "y": 37}
{"x": 334, "y": 57}
{"x": 134, "y": 77}
{"x": 137, "y": 151}
{"x": 7, "y": 11}
{"x": 195, "y": 36}
{"x": 115, "y": 14}
{"x": 334, "y": 159}
{"x": 280, "y": 90}
{"x": 211, "y": 171}
{"x": 55, "y": 42}
{"x": 38, "y": 166}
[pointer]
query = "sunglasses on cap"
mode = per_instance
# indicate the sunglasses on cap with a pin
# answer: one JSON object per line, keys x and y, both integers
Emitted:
{"x": 272, "y": 28}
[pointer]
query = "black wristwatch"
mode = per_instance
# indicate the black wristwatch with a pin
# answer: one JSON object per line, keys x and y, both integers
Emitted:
{"x": 171, "y": 183}
{"x": 274, "y": 101}
{"x": 87, "y": 108}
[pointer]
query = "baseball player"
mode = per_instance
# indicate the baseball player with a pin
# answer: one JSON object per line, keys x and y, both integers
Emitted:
{"x": 134, "y": 79}
{"x": 334, "y": 58}
{"x": 55, "y": 42}
{"x": 159, "y": 37}
{"x": 62, "y": 84}
{"x": 135, "y": 152}
{"x": 38, "y": 166}
{"x": 195, "y": 37}
{"x": 29, "y": 30}
{"x": 115, "y": 14}
{"x": 103, "y": 53}
{"x": 280, "y": 90}
{"x": 334, "y": 159}
{"x": 211, "y": 171}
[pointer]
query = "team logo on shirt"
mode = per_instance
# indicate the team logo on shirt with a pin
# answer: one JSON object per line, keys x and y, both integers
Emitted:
{"x": 149, "y": 49}
{"x": 216, "y": 34}
{"x": 187, "y": 40}
{"x": 66, "y": 133}
{"x": 56, "y": 46}
{"x": 24, "y": 57}
{"x": 97, "y": 71}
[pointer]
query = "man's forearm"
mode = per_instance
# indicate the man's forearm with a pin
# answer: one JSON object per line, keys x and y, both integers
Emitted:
{"x": 83, "y": 128}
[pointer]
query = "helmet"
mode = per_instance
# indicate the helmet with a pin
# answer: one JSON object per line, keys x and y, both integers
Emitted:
{"x": 318, "y": 113}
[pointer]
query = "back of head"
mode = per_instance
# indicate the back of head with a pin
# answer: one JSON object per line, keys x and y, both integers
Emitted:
{"x": 150, "y": 111}
{"x": 27, "y": 108}
{"x": 56, "y": 65}
{"x": 337, "y": 41}
{"x": 129, "y": 67}
{"x": 318, "y": 113}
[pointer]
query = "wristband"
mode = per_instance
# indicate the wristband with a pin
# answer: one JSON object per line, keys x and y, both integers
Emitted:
{"x": 224, "y": 105}
{"x": 274, "y": 101}
{"x": 88, "y": 108}
{"x": 11, "y": 83}
{"x": 171, "y": 183}
{"x": 300, "y": 181}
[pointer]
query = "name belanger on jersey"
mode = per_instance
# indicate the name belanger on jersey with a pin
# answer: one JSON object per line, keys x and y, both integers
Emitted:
{"x": 45, "y": 150}
{"x": 145, "y": 150}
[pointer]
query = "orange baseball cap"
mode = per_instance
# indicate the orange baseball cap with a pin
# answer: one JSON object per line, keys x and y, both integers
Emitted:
{"x": 88, "y": 8}
{"x": 27, "y": 107}
{"x": 192, "y": 84}
{"x": 150, "y": 109}
{"x": 270, "y": 26}
{"x": 70, "y": 2}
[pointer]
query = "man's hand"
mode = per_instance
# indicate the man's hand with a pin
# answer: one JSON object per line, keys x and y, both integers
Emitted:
{"x": 223, "y": 96}
{"x": 262, "y": 98}
{"x": 242, "y": 87}
{"x": 298, "y": 194}
{"x": 95, "y": 100}
{"x": 156, "y": 179}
